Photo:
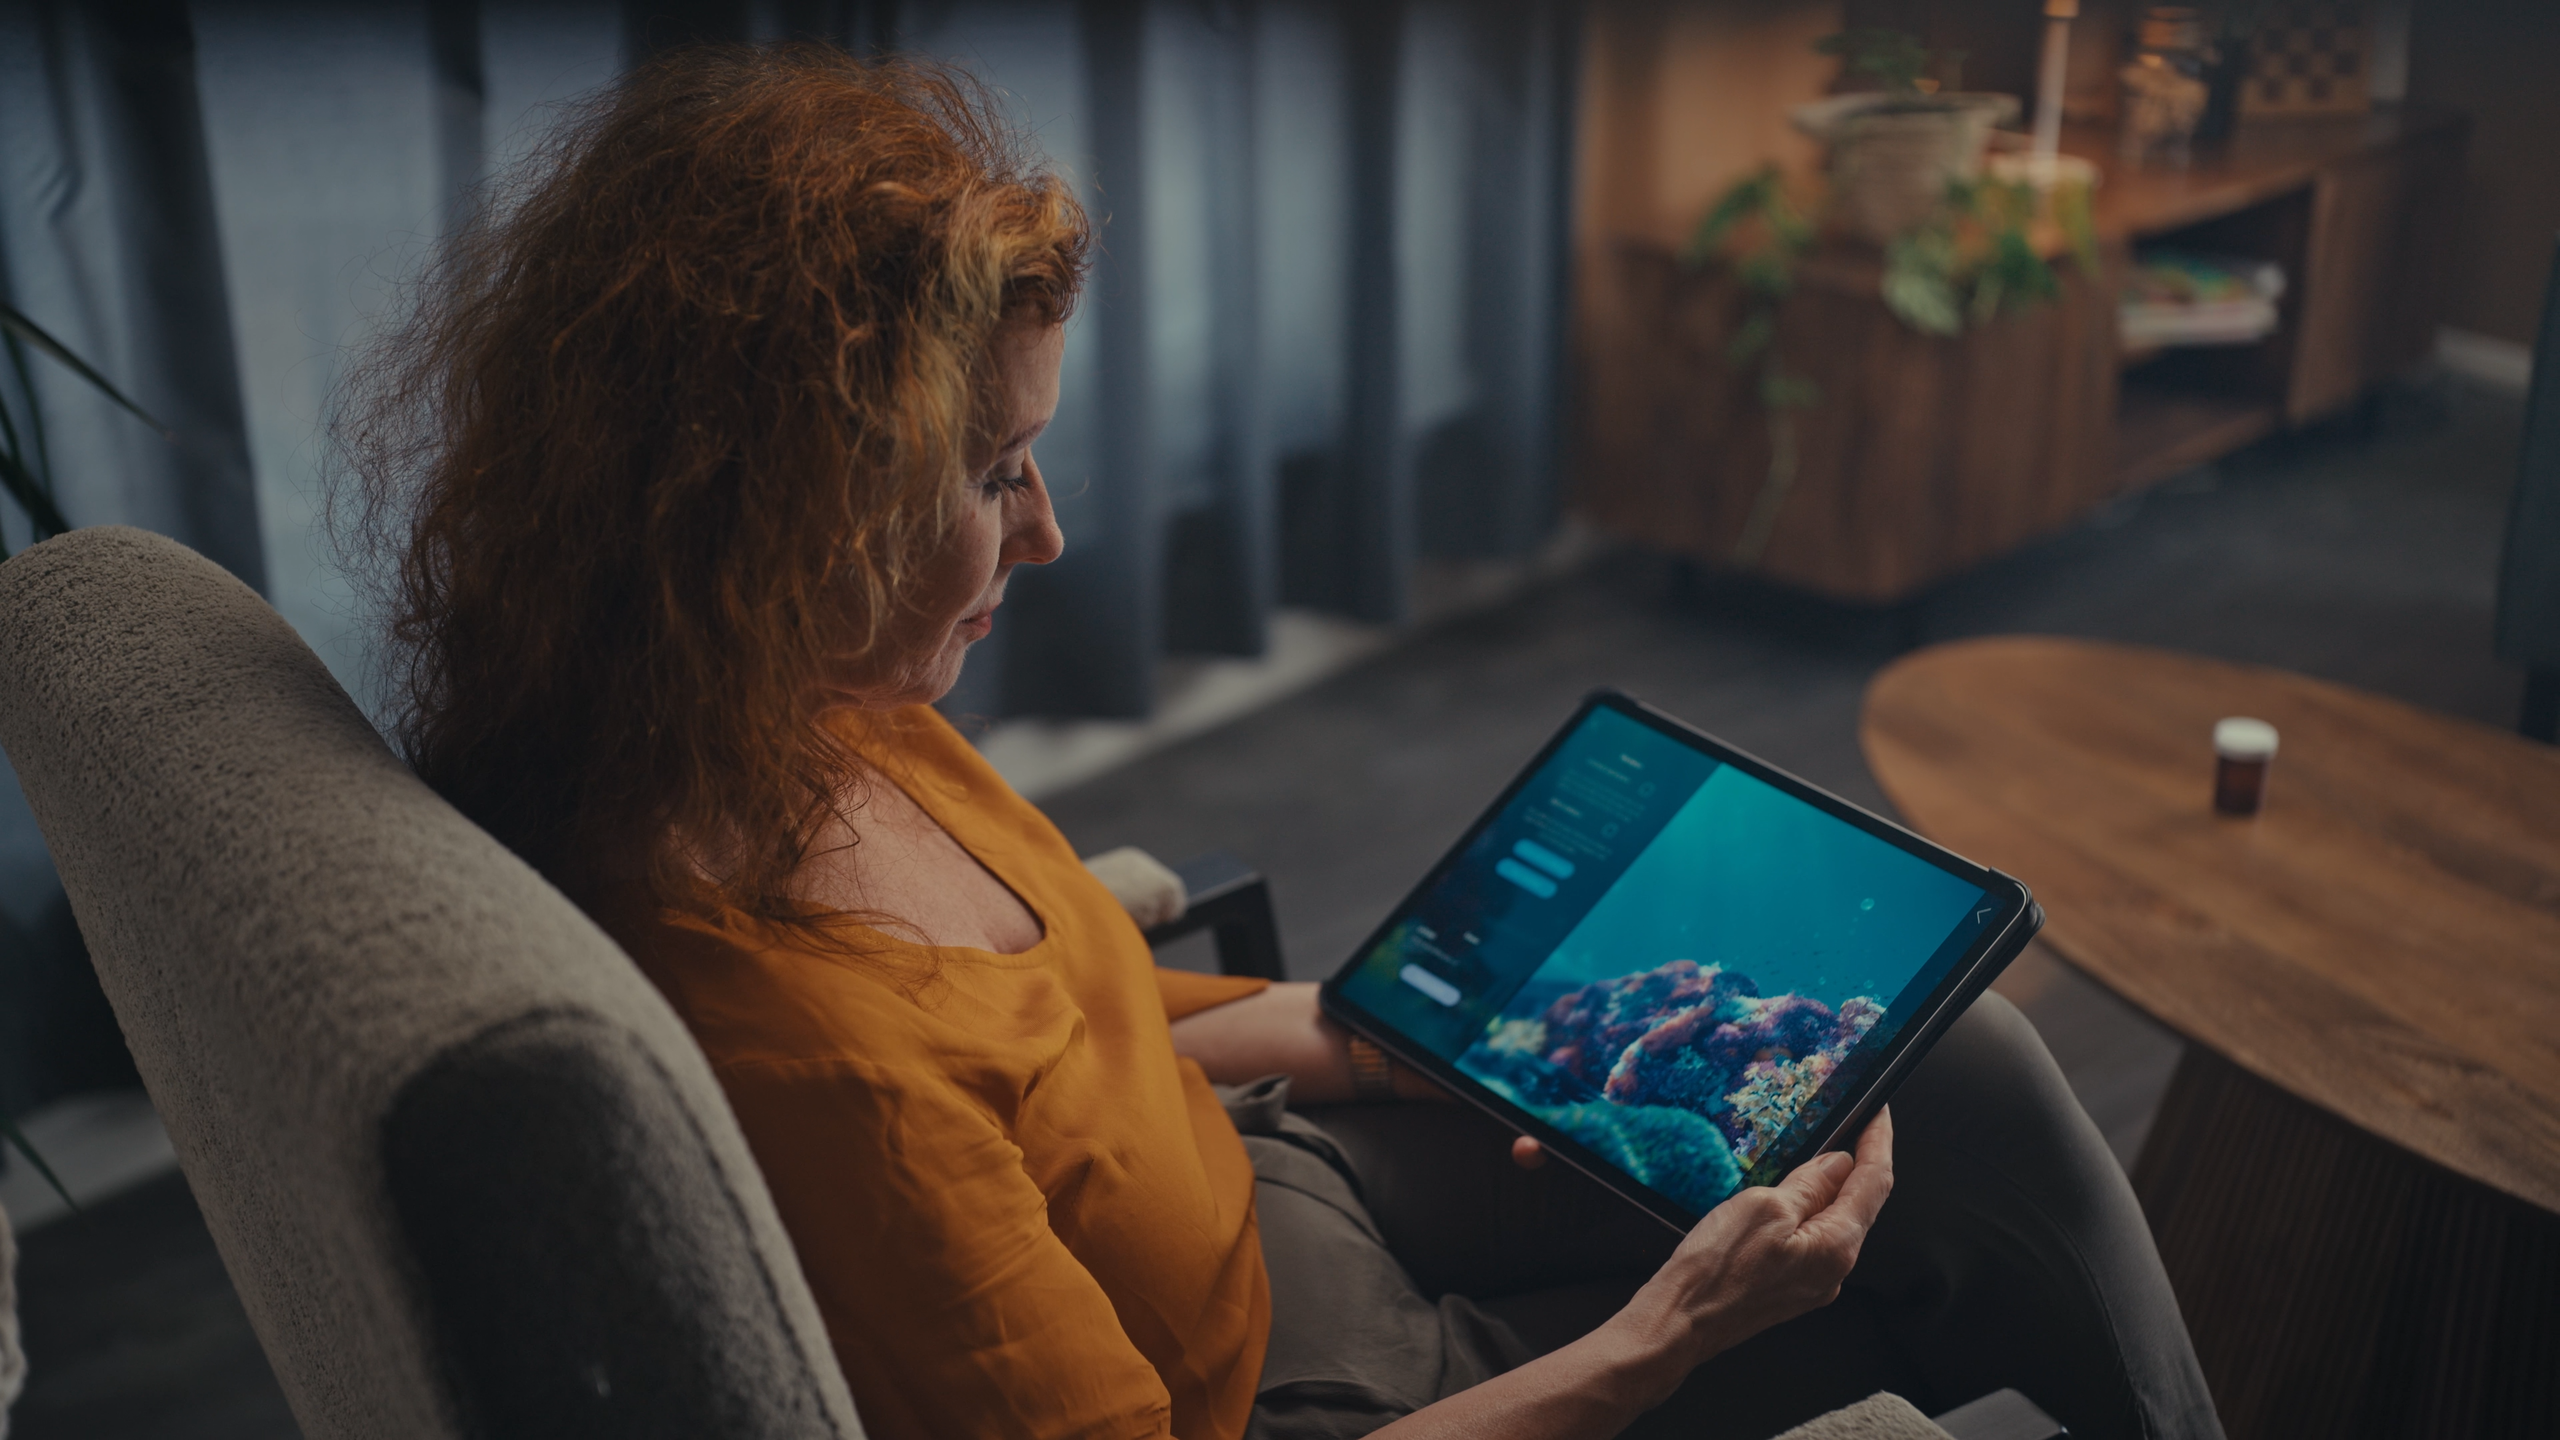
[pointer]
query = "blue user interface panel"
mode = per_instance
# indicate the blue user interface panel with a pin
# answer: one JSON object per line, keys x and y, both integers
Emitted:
{"x": 1667, "y": 959}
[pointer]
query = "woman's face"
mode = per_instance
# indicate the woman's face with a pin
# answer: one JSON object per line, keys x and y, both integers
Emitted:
{"x": 1005, "y": 521}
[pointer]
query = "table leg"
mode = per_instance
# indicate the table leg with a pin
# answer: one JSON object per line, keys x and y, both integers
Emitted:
{"x": 2336, "y": 1285}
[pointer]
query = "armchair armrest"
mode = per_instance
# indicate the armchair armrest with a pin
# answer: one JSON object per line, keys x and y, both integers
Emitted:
{"x": 1232, "y": 900}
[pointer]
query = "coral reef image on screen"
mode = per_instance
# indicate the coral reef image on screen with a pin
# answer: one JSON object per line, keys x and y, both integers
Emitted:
{"x": 1695, "y": 1014}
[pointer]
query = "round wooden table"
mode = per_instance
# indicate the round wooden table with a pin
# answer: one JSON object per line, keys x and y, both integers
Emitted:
{"x": 2355, "y": 1176}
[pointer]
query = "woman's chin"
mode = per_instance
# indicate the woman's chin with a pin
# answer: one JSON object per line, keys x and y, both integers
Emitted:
{"x": 921, "y": 685}
{"x": 936, "y": 681}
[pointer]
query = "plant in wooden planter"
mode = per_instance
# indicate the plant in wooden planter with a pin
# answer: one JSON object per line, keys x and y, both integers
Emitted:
{"x": 1894, "y": 151}
{"x": 1759, "y": 232}
{"x": 1974, "y": 251}
{"x": 1980, "y": 253}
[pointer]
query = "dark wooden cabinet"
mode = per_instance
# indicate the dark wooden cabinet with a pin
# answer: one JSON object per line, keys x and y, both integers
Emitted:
{"x": 1924, "y": 456}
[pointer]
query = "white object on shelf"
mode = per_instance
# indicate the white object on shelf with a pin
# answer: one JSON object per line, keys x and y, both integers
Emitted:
{"x": 2058, "y": 15}
{"x": 2042, "y": 171}
{"x": 2181, "y": 299}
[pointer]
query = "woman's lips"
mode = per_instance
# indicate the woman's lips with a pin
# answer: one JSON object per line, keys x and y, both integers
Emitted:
{"x": 976, "y": 626}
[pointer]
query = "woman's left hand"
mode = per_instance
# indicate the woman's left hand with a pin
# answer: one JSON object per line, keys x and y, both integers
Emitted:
{"x": 1282, "y": 1031}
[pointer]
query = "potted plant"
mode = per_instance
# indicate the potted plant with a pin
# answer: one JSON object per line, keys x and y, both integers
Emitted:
{"x": 1961, "y": 247}
{"x": 1895, "y": 150}
{"x": 26, "y": 478}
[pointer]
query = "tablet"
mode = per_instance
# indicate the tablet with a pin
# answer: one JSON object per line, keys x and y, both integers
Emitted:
{"x": 1683, "y": 970}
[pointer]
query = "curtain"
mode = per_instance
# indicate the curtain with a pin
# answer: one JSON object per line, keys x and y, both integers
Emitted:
{"x": 1324, "y": 336}
{"x": 1323, "y": 339}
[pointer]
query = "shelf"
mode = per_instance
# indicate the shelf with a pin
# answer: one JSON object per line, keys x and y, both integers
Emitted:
{"x": 2262, "y": 160}
{"x": 2160, "y": 431}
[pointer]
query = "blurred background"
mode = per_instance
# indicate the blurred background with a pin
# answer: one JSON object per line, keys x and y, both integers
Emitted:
{"x": 1442, "y": 361}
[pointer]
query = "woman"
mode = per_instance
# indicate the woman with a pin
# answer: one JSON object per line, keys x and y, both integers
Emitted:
{"x": 708, "y": 458}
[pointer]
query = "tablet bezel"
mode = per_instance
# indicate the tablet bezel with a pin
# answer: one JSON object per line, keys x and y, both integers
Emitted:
{"x": 1993, "y": 948}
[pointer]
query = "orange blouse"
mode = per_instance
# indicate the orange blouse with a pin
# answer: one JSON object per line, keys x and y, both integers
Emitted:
{"x": 1021, "y": 1213}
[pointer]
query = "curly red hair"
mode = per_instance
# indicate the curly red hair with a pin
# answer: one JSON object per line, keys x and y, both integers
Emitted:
{"x": 673, "y": 422}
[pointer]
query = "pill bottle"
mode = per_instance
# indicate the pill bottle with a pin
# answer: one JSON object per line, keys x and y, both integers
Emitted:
{"x": 2242, "y": 750}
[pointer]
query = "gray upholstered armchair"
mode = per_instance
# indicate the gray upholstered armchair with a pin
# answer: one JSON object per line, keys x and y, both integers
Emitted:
{"x": 468, "y": 1172}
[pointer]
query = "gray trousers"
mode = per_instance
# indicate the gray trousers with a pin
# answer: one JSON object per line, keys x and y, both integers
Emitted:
{"x": 1410, "y": 1259}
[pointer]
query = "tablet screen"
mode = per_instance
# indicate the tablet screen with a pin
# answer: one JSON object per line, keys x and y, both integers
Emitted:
{"x": 1670, "y": 961}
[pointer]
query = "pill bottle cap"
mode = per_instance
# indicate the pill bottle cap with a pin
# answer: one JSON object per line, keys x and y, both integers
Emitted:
{"x": 2241, "y": 738}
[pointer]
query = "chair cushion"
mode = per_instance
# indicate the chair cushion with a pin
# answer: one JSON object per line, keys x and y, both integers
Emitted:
{"x": 587, "y": 1268}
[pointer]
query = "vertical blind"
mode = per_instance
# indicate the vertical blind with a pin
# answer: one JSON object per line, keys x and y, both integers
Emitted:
{"x": 1323, "y": 339}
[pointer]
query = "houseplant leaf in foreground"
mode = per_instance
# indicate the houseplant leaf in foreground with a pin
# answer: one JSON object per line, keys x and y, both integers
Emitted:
{"x": 29, "y": 332}
{"x": 9, "y": 1130}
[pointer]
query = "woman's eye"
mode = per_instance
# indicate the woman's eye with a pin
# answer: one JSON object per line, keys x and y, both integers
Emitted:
{"x": 1003, "y": 484}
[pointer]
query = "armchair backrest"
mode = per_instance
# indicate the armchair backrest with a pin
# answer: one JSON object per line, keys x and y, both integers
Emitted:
{"x": 468, "y": 1172}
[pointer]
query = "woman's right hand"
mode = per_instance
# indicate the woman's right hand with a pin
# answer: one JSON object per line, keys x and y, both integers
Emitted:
{"x": 1764, "y": 1256}
{"x": 1767, "y": 1254}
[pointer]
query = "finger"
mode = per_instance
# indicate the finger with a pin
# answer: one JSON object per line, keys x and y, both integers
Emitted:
{"x": 1811, "y": 1186}
{"x": 1862, "y": 1194}
{"x": 1527, "y": 1153}
{"x": 1875, "y": 1144}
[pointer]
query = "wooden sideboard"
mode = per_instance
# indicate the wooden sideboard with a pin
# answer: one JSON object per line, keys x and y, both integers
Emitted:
{"x": 1925, "y": 456}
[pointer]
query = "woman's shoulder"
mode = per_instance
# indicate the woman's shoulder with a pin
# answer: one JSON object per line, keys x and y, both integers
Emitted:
{"x": 749, "y": 997}
{"x": 891, "y": 1015}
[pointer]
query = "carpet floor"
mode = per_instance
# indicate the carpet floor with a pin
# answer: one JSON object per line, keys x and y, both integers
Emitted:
{"x": 2361, "y": 556}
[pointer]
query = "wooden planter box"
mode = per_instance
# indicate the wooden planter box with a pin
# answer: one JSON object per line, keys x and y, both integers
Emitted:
{"x": 1925, "y": 456}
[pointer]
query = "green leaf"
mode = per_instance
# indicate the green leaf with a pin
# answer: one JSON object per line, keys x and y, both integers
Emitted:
{"x": 10, "y": 1131}
{"x": 27, "y": 330}
{"x": 1891, "y": 56}
{"x": 1789, "y": 224}
{"x": 1781, "y": 391}
{"x": 2071, "y": 210}
{"x": 1919, "y": 287}
{"x": 35, "y": 417}
{"x": 1769, "y": 275}
{"x": 1749, "y": 196}
{"x": 21, "y": 483}
{"x": 2023, "y": 273}
{"x": 9, "y": 434}
{"x": 1751, "y": 337}
{"x": 1987, "y": 291}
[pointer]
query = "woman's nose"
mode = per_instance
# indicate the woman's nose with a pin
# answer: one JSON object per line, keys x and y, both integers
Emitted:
{"x": 1032, "y": 536}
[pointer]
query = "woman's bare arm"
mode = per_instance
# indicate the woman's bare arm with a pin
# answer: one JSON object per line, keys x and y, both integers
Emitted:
{"x": 1281, "y": 1032}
